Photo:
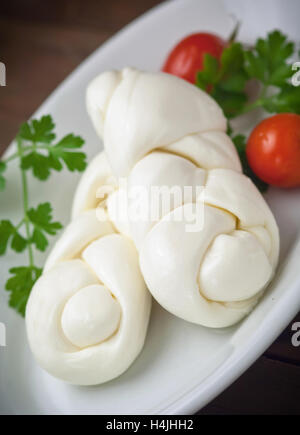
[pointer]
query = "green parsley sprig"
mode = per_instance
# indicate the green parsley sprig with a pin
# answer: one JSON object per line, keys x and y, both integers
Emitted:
{"x": 268, "y": 62}
{"x": 38, "y": 151}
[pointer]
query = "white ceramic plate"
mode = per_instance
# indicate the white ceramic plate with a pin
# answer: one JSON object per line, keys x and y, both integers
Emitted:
{"x": 182, "y": 366}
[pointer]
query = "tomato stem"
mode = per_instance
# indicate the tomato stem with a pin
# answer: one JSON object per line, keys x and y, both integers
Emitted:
{"x": 234, "y": 33}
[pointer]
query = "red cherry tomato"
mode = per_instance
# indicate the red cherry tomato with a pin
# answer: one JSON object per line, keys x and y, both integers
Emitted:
{"x": 186, "y": 58}
{"x": 273, "y": 150}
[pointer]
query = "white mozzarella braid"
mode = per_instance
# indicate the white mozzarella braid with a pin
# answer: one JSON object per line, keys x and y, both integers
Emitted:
{"x": 87, "y": 315}
{"x": 159, "y": 130}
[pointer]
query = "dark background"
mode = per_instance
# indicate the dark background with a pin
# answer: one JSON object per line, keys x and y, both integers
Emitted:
{"x": 41, "y": 42}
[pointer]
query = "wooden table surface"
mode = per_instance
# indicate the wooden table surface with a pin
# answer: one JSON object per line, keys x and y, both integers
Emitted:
{"x": 41, "y": 42}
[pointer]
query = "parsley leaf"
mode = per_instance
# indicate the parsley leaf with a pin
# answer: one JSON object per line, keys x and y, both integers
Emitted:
{"x": 226, "y": 81}
{"x": 37, "y": 150}
{"x": 2, "y": 179}
{"x": 232, "y": 103}
{"x": 287, "y": 100}
{"x": 38, "y": 163}
{"x": 7, "y": 229}
{"x": 41, "y": 155}
{"x": 41, "y": 218}
{"x": 209, "y": 74}
{"x": 9, "y": 232}
{"x": 18, "y": 242}
{"x": 73, "y": 160}
{"x": 20, "y": 285}
{"x": 232, "y": 60}
{"x": 268, "y": 61}
{"x": 39, "y": 240}
{"x": 38, "y": 130}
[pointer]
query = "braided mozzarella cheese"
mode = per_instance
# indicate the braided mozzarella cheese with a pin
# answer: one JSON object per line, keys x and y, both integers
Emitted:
{"x": 87, "y": 315}
{"x": 159, "y": 130}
